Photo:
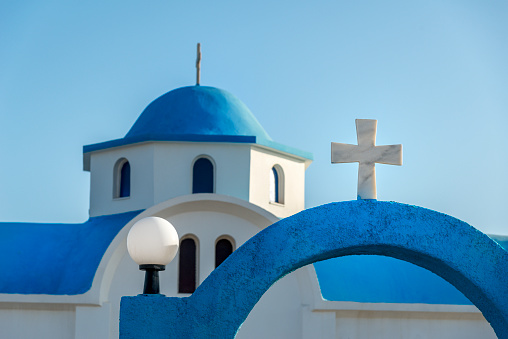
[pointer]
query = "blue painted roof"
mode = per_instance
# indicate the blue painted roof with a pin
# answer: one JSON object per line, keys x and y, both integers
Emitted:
{"x": 199, "y": 114}
{"x": 61, "y": 259}
{"x": 55, "y": 258}
{"x": 197, "y": 110}
{"x": 378, "y": 279}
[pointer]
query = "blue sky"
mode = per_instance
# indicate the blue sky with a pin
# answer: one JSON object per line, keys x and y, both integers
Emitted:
{"x": 434, "y": 74}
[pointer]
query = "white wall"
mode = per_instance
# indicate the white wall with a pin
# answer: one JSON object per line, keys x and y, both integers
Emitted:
{"x": 262, "y": 161}
{"x": 173, "y": 168}
{"x": 277, "y": 314}
{"x": 163, "y": 170}
{"x": 93, "y": 321}
{"x": 408, "y": 325}
{"x": 102, "y": 163}
{"x": 22, "y": 321}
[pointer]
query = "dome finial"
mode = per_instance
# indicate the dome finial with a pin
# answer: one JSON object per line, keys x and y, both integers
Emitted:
{"x": 198, "y": 65}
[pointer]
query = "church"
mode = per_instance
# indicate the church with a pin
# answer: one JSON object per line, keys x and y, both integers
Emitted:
{"x": 197, "y": 157}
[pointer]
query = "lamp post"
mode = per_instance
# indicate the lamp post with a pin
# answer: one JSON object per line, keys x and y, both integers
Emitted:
{"x": 152, "y": 243}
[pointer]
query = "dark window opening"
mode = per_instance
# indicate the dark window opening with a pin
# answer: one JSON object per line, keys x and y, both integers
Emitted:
{"x": 275, "y": 186}
{"x": 223, "y": 249}
{"x": 125, "y": 180}
{"x": 187, "y": 267}
{"x": 202, "y": 176}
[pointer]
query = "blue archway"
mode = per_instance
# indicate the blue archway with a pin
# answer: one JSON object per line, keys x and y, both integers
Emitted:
{"x": 454, "y": 250}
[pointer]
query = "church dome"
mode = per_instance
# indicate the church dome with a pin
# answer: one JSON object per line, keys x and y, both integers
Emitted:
{"x": 196, "y": 110}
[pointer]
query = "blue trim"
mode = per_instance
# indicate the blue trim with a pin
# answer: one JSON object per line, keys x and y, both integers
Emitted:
{"x": 196, "y": 138}
{"x": 286, "y": 149}
{"x": 174, "y": 137}
{"x": 57, "y": 259}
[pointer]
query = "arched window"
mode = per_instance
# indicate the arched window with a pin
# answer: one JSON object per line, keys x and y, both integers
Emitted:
{"x": 202, "y": 176}
{"x": 277, "y": 185}
{"x": 187, "y": 269}
{"x": 122, "y": 179}
{"x": 223, "y": 249}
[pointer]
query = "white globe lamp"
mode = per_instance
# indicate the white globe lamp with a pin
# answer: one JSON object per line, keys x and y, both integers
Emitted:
{"x": 152, "y": 243}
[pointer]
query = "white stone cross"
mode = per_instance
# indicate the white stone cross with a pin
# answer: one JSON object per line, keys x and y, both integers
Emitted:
{"x": 367, "y": 154}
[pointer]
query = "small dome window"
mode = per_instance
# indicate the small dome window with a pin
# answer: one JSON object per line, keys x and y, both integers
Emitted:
{"x": 277, "y": 185}
{"x": 122, "y": 179}
{"x": 223, "y": 249}
{"x": 188, "y": 265}
{"x": 203, "y": 176}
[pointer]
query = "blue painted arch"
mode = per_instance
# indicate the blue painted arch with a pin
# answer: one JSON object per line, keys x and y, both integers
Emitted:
{"x": 454, "y": 250}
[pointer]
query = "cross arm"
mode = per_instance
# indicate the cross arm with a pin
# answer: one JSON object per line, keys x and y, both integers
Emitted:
{"x": 389, "y": 154}
{"x": 342, "y": 153}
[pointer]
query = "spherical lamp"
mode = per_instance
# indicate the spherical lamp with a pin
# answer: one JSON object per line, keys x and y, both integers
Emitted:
{"x": 152, "y": 243}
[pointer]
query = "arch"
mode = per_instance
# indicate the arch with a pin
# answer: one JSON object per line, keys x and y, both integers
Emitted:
{"x": 224, "y": 247}
{"x": 203, "y": 174}
{"x": 101, "y": 284}
{"x": 277, "y": 185}
{"x": 122, "y": 179}
{"x": 188, "y": 264}
{"x": 468, "y": 259}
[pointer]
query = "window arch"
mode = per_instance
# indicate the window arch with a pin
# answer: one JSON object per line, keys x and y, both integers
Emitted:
{"x": 203, "y": 176}
{"x": 122, "y": 179}
{"x": 224, "y": 246}
{"x": 188, "y": 265}
{"x": 277, "y": 185}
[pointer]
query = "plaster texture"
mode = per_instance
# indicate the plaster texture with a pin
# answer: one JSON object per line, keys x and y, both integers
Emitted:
{"x": 367, "y": 154}
{"x": 454, "y": 250}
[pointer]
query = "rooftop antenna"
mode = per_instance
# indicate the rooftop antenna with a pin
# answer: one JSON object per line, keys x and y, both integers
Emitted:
{"x": 198, "y": 65}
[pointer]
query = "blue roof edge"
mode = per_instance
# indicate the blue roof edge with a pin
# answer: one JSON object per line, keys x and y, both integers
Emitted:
{"x": 197, "y": 138}
{"x": 502, "y": 240}
{"x": 286, "y": 149}
{"x": 63, "y": 258}
{"x": 350, "y": 278}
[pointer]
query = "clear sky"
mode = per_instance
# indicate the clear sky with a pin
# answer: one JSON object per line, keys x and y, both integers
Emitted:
{"x": 434, "y": 74}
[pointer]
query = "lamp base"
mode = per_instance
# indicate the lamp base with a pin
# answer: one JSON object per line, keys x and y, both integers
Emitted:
{"x": 152, "y": 285}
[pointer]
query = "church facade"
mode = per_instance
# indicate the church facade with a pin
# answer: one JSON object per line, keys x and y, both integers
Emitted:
{"x": 197, "y": 157}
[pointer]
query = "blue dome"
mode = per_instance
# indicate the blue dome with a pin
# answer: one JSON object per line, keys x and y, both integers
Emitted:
{"x": 195, "y": 114}
{"x": 197, "y": 110}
